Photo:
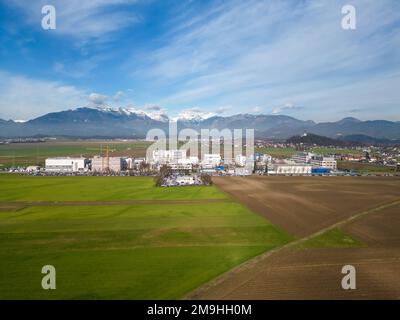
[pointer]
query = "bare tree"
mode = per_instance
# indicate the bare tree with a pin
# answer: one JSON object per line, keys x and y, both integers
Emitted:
{"x": 164, "y": 173}
{"x": 206, "y": 179}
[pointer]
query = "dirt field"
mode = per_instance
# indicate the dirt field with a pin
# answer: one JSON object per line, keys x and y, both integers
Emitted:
{"x": 304, "y": 205}
{"x": 381, "y": 229}
{"x": 291, "y": 273}
{"x": 313, "y": 274}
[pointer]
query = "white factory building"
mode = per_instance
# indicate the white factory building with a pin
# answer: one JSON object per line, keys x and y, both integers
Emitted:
{"x": 211, "y": 160}
{"x": 317, "y": 161}
{"x": 65, "y": 164}
{"x": 189, "y": 160}
{"x": 175, "y": 159}
{"x": 242, "y": 171}
{"x": 264, "y": 158}
{"x": 101, "y": 164}
{"x": 324, "y": 162}
{"x": 133, "y": 163}
{"x": 289, "y": 169}
{"x": 302, "y": 157}
{"x": 168, "y": 156}
{"x": 240, "y": 160}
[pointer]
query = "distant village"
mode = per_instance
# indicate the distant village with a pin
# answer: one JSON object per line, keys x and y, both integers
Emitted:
{"x": 189, "y": 170}
{"x": 177, "y": 167}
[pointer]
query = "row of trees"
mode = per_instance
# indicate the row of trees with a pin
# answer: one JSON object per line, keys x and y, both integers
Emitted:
{"x": 206, "y": 179}
{"x": 164, "y": 173}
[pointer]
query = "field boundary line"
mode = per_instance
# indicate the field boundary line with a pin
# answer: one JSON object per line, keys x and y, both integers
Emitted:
{"x": 111, "y": 202}
{"x": 193, "y": 295}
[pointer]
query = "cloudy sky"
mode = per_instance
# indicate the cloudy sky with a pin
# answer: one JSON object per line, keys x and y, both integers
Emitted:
{"x": 202, "y": 57}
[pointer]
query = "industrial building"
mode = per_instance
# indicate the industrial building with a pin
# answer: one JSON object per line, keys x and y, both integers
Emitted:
{"x": 66, "y": 164}
{"x": 289, "y": 169}
{"x": 101, "y": 164}
{"x": 240, "y": 160}
{"x": 324, "y": 162}
{"x": 180, "y": 166}
{"x": 168, "y": 156}
{"x": 302, "y": 157}
{"x": 320, "y": 171}
{"x": 211, "y": 160}
{"x": 261, "y": 157}
{"x": 249, "y": 165}
{"x": 316, "y": 161}
{"x": 241, "y": 171}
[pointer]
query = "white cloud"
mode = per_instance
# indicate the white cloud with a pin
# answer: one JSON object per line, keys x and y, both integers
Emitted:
{"x": 80, "y": 68}
{"x": 233, "y": 53}
{"x": 265, "y": 52}
{"x": 286, "y": 108}
{"x": 81, "y": 19}
{"x": 97, "y": 99}
{"x": 25, "y": 98}
{"x": 223, "y": 109}
{"x": 118, "y": 96}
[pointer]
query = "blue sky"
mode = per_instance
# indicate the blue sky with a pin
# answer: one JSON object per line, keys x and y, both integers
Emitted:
{"x": 202, "y": 57}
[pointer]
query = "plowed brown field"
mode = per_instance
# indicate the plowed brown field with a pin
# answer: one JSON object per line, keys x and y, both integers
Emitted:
{"x": 304, "y": 206}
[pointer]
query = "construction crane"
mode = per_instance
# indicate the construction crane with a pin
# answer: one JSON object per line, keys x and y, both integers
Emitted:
{"x": 106, "y": 158}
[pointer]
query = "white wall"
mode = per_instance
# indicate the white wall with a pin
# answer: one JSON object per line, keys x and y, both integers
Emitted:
{"x": 65, "y": 164}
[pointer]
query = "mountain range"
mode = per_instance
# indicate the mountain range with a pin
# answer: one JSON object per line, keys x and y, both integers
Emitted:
{"x": 87, "y": 122}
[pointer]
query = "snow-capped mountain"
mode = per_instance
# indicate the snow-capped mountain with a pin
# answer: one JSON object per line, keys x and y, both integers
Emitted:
{"x": 133, "y": 123}
{"x": 129, "y": 111}
{"x": 194, "y": 115}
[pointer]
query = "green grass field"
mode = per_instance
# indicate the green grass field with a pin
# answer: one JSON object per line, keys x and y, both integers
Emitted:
{"x": 140, "y": 251}
{"x": 288, "y": 152}
{"x": 277, "y": 152}
{"x": 48, "y": 188}
{"x": 334, "y": 238}
{"x": 331, "y": 151}
{"x": 366, "y": 168}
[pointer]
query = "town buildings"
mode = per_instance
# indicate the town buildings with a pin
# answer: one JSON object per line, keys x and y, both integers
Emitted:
{"x": 323, "y": 162}
{"x": 65, "y": 164}
{"x": 303, "y": 163}
{"x": 284, "y": 168}
{"x": 101, "y": 164}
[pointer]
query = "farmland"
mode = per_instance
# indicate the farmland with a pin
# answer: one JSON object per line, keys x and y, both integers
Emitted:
{"x": 279, "y": 152}
{"x": 303, "y": 205}
{"x": 25, "y": 188}
{"x": 334, "y": 238}
{"x": 366, "y": 167}
{"x": 330, "y": 151}
{"x": 335, "y": 221}
{"x": 287, "y": 152}
{"x": 120, "y": 237}
{"x": 244, "y": 238}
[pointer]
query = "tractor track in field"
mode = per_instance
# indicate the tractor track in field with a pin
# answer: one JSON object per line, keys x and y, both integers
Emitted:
{"x": 287, "y": 273}
{"x": 9, "y": 205}
{"x": 238, "y": 278}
